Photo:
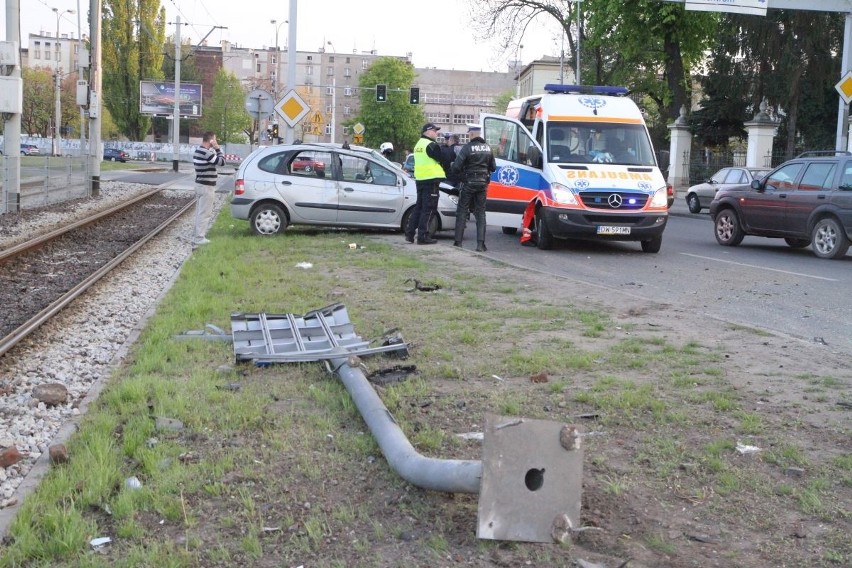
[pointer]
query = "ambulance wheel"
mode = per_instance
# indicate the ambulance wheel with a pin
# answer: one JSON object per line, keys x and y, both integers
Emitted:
{"x": 510, "y": 230}
{"x": 543, "y": 236}
{"x": 652, "y": 245}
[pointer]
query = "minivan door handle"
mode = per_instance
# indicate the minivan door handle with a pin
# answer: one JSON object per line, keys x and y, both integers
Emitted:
{"x": 286, "y": 182}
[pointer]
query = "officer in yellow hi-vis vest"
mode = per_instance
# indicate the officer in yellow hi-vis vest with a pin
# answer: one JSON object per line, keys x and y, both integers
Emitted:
{"x": 428, "y": 173}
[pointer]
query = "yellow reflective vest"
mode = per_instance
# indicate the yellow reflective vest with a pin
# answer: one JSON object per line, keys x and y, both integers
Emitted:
{"x": 424, "y": 166}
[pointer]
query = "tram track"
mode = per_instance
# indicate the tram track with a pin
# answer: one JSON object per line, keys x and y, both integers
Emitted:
{"x": 40, "y": 277}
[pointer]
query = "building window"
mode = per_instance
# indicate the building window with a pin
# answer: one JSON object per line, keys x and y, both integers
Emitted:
{"x": 462, "y": 118}
{"x": 309, "y": 81}
{"x": 347, "y": 110}
{"x": 329, "y": 91}
{"x": 47, "y": 52}
{"x": 346, "y": 130}
{"x": 331, "y": 59}
{"x": 309, "y": 70}
{"x": 329, "y": 71}
{"x": 364, "y": 64}
{"x": 257, "y": 69}
{"x": 328, "y": 130}
{"x": 347, "y": 72}
{"x": 328, "y": 108}
{"x": 347, "y": 91}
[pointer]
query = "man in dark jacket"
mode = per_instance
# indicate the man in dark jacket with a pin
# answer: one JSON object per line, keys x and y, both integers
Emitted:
{"x": 474, "y": 164}
{"x": 449, "y": 151}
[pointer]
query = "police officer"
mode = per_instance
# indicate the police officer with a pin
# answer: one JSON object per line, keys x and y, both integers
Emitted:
{"x": 449, "y": 151}
{"x": 474, "y": 163}
{"x": 428, "y": 173}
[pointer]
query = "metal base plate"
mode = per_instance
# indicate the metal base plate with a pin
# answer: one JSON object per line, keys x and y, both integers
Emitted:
{"x": 532, "y": 473}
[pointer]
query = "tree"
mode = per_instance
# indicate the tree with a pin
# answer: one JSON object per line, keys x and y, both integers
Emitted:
{"x": 38, "y": 103}
{"x": 395, "y": 120}
{"x": 133, "y": 37}
{"x": 646, "y": 45}
{"x": 226, "y": 113}
{"x": 789, "y": 58}
{"x": 501, "y": 102}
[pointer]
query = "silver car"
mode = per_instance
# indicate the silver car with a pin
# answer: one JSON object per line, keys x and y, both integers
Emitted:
{"x": 326, "y": 184}
{"x": 699, "y": 196}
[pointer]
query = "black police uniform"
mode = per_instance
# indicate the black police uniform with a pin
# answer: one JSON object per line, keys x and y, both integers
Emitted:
{"x": 474, "y": 163}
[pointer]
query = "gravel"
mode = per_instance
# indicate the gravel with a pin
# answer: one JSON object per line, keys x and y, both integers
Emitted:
{"x": 80, "y": 346}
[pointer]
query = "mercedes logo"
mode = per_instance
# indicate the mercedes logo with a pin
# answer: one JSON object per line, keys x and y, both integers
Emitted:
{"x": 614, "y": 201}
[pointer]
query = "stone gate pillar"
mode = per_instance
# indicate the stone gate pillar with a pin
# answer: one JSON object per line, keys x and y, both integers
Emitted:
{"x": 761, "y": 134}
{"x": 679, "y": 150}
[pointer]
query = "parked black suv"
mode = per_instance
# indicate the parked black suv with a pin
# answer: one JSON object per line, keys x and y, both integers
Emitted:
{"x": 805, "y": 201}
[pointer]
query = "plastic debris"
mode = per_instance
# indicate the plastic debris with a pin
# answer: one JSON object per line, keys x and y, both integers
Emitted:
{"x": 472, "y": 436}
{"x": 100, "y": 541}
{"x": 133, "y": 483}
{"x": 305, "y": 265}
{"x": 744, "y": 449}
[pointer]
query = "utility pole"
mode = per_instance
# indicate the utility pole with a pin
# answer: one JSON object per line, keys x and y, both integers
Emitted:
{"x": 12, "y": 127}
{"x": 57, "y": 120}
{"x": 176, "y": 111}
{"x": 95, "y": 78}
{"x": 291, "y": 62}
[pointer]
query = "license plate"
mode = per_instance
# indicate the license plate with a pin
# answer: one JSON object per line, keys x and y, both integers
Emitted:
{"x": 610, "y": 230}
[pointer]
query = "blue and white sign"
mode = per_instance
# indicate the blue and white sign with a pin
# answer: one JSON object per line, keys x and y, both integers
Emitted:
{"x": 754, "y": 7}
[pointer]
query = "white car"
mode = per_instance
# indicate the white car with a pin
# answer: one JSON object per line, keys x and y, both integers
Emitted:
{"x": 700, "y": 195}
{"x": 326, "y": 184}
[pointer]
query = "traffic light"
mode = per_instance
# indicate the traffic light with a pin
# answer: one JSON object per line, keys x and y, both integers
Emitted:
{"x": 414, "y": 95}
{"x": 275, "y": 130}
{"x": 381, "y": 93}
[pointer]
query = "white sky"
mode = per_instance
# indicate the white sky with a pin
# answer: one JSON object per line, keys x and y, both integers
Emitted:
{"x": 442, "y": 38}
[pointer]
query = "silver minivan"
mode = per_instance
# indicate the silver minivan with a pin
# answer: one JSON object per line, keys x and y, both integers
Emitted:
{"x": 327, "y": 184}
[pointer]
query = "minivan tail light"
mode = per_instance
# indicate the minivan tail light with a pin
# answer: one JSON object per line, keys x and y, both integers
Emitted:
{"x": 239, "y": 187}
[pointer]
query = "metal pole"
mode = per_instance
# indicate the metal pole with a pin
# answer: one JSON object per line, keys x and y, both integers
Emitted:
{"x": 842, "y": 138}
{"x": 57, "y": 120}
{"x": 579, "y": 34}
{"x": 451, "y": 476}
{"x": 96, "y": 82}
{"x": 79, "y": 78}
{"x": 176, "y": 111}
{"x": 291, "y": 63}
{"x": 12, "y": 127}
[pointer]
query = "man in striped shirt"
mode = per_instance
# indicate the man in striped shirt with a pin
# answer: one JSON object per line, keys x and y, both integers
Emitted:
{"x": 205, "y": 159}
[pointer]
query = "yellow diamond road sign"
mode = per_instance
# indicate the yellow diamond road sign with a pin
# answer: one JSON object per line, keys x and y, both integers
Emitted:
{"x": 292, "y": 108}
{"x": 844, "y": 87}
{"x": 358, "y": 128}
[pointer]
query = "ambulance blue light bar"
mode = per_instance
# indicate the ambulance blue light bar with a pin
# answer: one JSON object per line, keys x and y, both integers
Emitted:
{"x": 586, "y": 89}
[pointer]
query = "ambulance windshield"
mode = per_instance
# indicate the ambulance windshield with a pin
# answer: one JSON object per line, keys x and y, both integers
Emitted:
{"x": 599, "y": 142}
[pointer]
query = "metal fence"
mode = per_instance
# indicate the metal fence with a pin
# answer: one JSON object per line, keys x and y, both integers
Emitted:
{"x": 44, "y": 180}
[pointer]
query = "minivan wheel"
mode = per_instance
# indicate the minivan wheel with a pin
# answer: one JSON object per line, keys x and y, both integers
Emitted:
{"x": 828, "y": 239}
{"x": 268, "y": 219}
{"x": 693, "y": 203}
{"x": 728, "y": 230}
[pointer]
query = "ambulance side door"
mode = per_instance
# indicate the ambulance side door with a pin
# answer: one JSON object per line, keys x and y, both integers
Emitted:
{"x": 519, "y": 170}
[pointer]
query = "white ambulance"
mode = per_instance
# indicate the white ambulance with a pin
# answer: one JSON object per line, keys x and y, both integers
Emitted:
{"x": 575, "y": 163}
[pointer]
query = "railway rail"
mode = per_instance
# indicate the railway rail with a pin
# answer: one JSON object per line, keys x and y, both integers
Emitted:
{"x": 40, "y": 277}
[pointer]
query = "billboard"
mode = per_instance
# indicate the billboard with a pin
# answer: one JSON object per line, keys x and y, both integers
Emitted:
{"x": 158, "y": 98}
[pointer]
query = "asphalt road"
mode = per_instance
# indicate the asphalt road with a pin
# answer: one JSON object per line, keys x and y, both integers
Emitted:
{"x": 761, "y": 283}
